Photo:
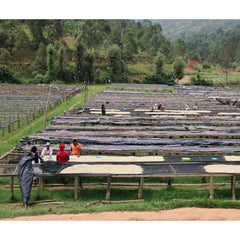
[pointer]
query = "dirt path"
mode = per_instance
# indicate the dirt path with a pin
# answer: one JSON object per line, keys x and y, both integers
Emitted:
{"x": 179, "y": 214}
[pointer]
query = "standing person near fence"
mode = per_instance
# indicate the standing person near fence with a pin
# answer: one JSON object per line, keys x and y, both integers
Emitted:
{"x": 47, "y": 150}
{"x": 35, "y": 159}
{"x": 75, "y": 148}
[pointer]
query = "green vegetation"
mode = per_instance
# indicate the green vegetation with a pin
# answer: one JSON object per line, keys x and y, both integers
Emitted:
{"x": 158, "y": 197}
{"x": 10, "y": 140}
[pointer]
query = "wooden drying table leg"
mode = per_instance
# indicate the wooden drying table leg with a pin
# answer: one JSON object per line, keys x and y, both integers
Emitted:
{"x": 233, "y": 186}
{"x": 211, "y": 187}
{"x": 76, "y": 187}
{"x": 108, "y": 188}
{"x": 39, "y": 187}
{"x": 140, "y": 187}
{"x": 12, "y": 191}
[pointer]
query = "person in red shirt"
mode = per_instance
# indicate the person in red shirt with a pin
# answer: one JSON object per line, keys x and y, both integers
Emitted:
{"x": 75, "y": 148}
{"x": 62, "y": 156}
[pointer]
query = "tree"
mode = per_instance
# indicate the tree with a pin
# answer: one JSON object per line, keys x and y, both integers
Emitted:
{"x": 79, "y": 59}
{"x": 50, "y": 63}
{"x": 116, "y": 66}
{"x": 89, "y": 57}
{"x": 226, "y": 56}
{"x": 178, "y": 68}
{"x": 40, "y": 61}
{"x": 22, "y": 49}
{"x": 159, "y": 60}
{"x": 36, "y": 28}
{"x": 5, "y": 55}
{"x": 180, "y": 48}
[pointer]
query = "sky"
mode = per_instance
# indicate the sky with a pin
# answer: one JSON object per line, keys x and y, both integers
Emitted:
{"x": 115, "y": 9}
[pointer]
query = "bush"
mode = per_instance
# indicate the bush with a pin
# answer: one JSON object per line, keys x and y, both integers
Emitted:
{"x": 163, "y": 78}
{"x": 7, "y": 75}
{"x": 135, "y": 80}
{"x": 201, "y": 81}
{"x": 206, "y": 66}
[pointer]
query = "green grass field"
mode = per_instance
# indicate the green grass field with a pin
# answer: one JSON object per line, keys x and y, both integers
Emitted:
{"x": 157, "y": 197}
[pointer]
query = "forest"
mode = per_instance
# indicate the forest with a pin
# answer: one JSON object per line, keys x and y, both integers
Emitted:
{"x": 96, "y": 51}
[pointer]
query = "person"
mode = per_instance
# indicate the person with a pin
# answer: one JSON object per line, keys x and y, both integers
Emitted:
{"x": 195, "y": 106}
{"x": 47, "y": 150}
{"x": 103, "y": 110}
{"x": 75, "y": 148}
{"x": 159, "y": 106}
{"x": 62, "y": 156}
{"x": 187, "y": 107}
{"x": 35, "y": 160}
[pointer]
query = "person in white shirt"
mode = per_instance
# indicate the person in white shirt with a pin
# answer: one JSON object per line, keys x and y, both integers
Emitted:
{"x": 47, "y": 150}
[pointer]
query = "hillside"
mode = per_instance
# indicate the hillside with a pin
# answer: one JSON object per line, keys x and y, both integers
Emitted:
{"x": 176, "y": 28}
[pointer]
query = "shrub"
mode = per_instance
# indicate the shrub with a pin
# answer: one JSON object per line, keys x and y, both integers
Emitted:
{"x": 135, "y": 80}
{"x": 7, "y": 75}
{"x": 201, "y": 81}
{"x": 163, "y": 78}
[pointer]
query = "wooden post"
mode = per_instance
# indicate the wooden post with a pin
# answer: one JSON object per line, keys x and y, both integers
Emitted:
{"x": 27, "y": 118}
{"x": 76, "y": 187}
{"x": 39, "y": 187}
{"x": 45, "y": 118}
{"x": 169, "y": 181}
{"x": 108, "y": 188}
{"x": 3, "y": 131}
{"x": 211, "y": 187}
{"x": 233, "y": 186}
{"x": 18, "y": 120}
{"x": 12, "y": 191}
{"x": 140, "y": 188}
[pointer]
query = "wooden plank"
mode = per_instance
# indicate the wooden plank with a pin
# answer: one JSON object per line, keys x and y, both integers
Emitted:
{"x": 211, "y": 186}
{"x": 12, "y": 187}
{"x": 76, "y": 187}
{"x": 39, "y": 187}
{"x": 140, "y": 188}
{"x": 108, "y": 188}
{"x": 91, "y": 203}
{"x": 233, "y": 185}
{"x": 127, "y": 201}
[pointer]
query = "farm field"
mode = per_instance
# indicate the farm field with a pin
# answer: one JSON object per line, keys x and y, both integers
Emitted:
{"x": 130, "y": 128}
{"x": 19, "y": 104}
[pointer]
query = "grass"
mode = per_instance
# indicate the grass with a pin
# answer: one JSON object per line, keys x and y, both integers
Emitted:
{"x": 139, "y": 68}
{"x": 156, "y": 198}
{"x": 10, "y": 140}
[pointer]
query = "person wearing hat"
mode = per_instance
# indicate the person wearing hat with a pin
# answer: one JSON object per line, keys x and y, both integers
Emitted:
{"x": 47, "y": 150}
{"x": 62, "y": 156}
{"x": 75, "y": 148}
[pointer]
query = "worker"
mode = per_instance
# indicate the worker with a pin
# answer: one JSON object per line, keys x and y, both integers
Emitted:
{"x": 47, "y": 150}
{"x": 35, "y": 160}
{"x": 75, "y": 148}
{"x": 103, "y": 109}
{"x": 63, "y": 157}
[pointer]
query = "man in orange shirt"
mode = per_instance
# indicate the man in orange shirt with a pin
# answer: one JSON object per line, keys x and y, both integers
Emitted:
{"x": 75, "y": 148}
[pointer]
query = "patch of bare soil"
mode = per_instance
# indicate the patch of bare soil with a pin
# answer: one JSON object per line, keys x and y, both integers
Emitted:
{"x": 179, "y": 214}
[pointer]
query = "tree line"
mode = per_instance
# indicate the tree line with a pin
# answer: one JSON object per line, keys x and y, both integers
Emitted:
{"x": 99, "y": 50}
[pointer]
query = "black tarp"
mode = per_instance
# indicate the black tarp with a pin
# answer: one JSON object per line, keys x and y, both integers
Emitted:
{"x": 25, "y": 177}
{"x": 53, "y": 166}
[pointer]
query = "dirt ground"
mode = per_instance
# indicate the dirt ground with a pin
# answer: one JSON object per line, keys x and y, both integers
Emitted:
{"x": 179, "y": 214}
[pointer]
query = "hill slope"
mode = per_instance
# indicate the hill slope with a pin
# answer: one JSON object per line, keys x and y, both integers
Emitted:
{"x": 176, "y": 28}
